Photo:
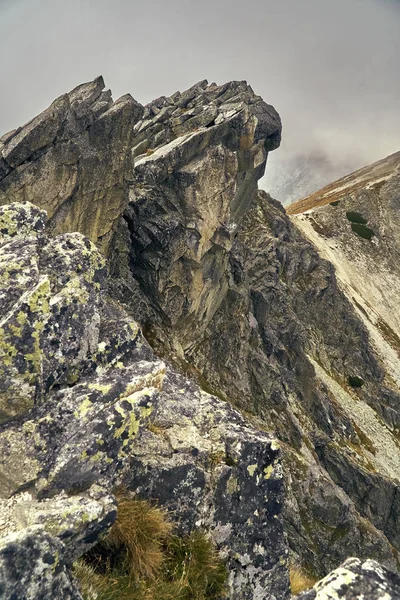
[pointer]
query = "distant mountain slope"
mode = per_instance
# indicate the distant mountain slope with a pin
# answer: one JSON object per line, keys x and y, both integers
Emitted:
{"x": 367, "y": 177}
{"x": 354, "y": 223}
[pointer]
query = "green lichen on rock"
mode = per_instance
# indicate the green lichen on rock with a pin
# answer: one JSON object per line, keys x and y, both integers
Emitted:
{"x": 55, "y": 323}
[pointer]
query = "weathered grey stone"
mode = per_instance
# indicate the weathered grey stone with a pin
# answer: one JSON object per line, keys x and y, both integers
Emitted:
{"x": 92, "y": 145}
{"x": 5, "y": 168}
{"x": 45, "y": 289}
{"x": 202, "y": 461}
{"x": 73, "y": 520}
{"x": 356, "y": 580}
{"x": 85, "y": 135}
{"x": 100, "y": 385}
{"x": 37, "y": 134}
{"x": 32, "y": 567}
{"x": 85, "y": 95}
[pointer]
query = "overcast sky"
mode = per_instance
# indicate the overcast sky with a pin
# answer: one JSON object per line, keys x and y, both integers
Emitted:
{"x": 330, "y": 67}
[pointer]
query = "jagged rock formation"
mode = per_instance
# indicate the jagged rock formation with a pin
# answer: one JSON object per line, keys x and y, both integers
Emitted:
{"x": 79, "y": 386}
{"x": 77, "y": 157}
{"x": 73, "y": 158}
{"x": 356, "y": 580}
{"x": 230, "y": 291}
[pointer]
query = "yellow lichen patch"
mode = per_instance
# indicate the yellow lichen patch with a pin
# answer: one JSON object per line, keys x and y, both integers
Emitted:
{"x": 268, "y": 471}
{"x": 84, "y": 408}
{"x": 7, "y": 351}
{"x": 97, "y": 457}
{"x": 252, "y": 469}
{"x": 275, "y": 445}
{"x": 38, "y": 299}
{"x": 35, "y": 357}
{"x": 21, "y": 349}
{"x": 333, "y": 583}
{"x": 232, "y": 485}
{"x": 16, "y": 330}
{"x": 100, "y": 388}
{"x": 134, "y": 327}
{"x": 75, "y": 289}
{"x": 31, "y": 428}
{"x": 131, "y": 422}
{"x": 21, "y": 317}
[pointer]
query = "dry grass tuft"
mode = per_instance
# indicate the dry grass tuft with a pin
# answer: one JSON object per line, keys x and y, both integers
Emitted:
{"x": 194, "y": 563}
{"x": 141, "y": 559}
{"x": 137, "y": 537}
{"x": 300, "y": 580}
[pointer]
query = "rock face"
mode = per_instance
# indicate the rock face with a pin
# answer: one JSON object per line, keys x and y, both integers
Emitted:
{"x": 214, "y": 471}
{"x": 72, "y": 158}
{"x": 356, "y": 580}
{"x": 283, "y": 343}
{"x": 76, "y": 159}
{"x": 79, "y": 387}
{"x": 226, "y": 289}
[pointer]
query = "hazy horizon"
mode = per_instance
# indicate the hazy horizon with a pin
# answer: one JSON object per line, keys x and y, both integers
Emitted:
{"x": 330, "y": 69}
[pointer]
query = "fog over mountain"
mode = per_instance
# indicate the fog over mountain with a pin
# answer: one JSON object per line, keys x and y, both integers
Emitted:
{"x": 329, "y": 68}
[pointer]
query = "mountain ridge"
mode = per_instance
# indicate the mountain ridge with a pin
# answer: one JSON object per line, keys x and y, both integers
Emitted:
{"x": 233, "y": 295}
{"x": 368, "y": 176}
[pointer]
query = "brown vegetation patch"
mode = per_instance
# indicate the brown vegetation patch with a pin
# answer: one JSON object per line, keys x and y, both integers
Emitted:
{"x": 300, "y": 580}
{"x": 142, "y": 559}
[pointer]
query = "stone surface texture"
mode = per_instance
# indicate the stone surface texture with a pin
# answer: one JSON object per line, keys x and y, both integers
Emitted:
{"x": 80, "y": 388}
{"x": 229, "y": 293}
{"x": 356, "y": 580}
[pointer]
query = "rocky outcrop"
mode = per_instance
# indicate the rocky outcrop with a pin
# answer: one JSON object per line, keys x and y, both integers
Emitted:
{"x": 356, "y": 580}
{"x": 226, "y": 289}
{"x": 281, "y": 341}
{"x": 72, "y": 158}
{"x": 246, "y": 301}
{"x": 213, "y": 471}
{"x": 86, "y": 407}
{"x": 77, "y": 158}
